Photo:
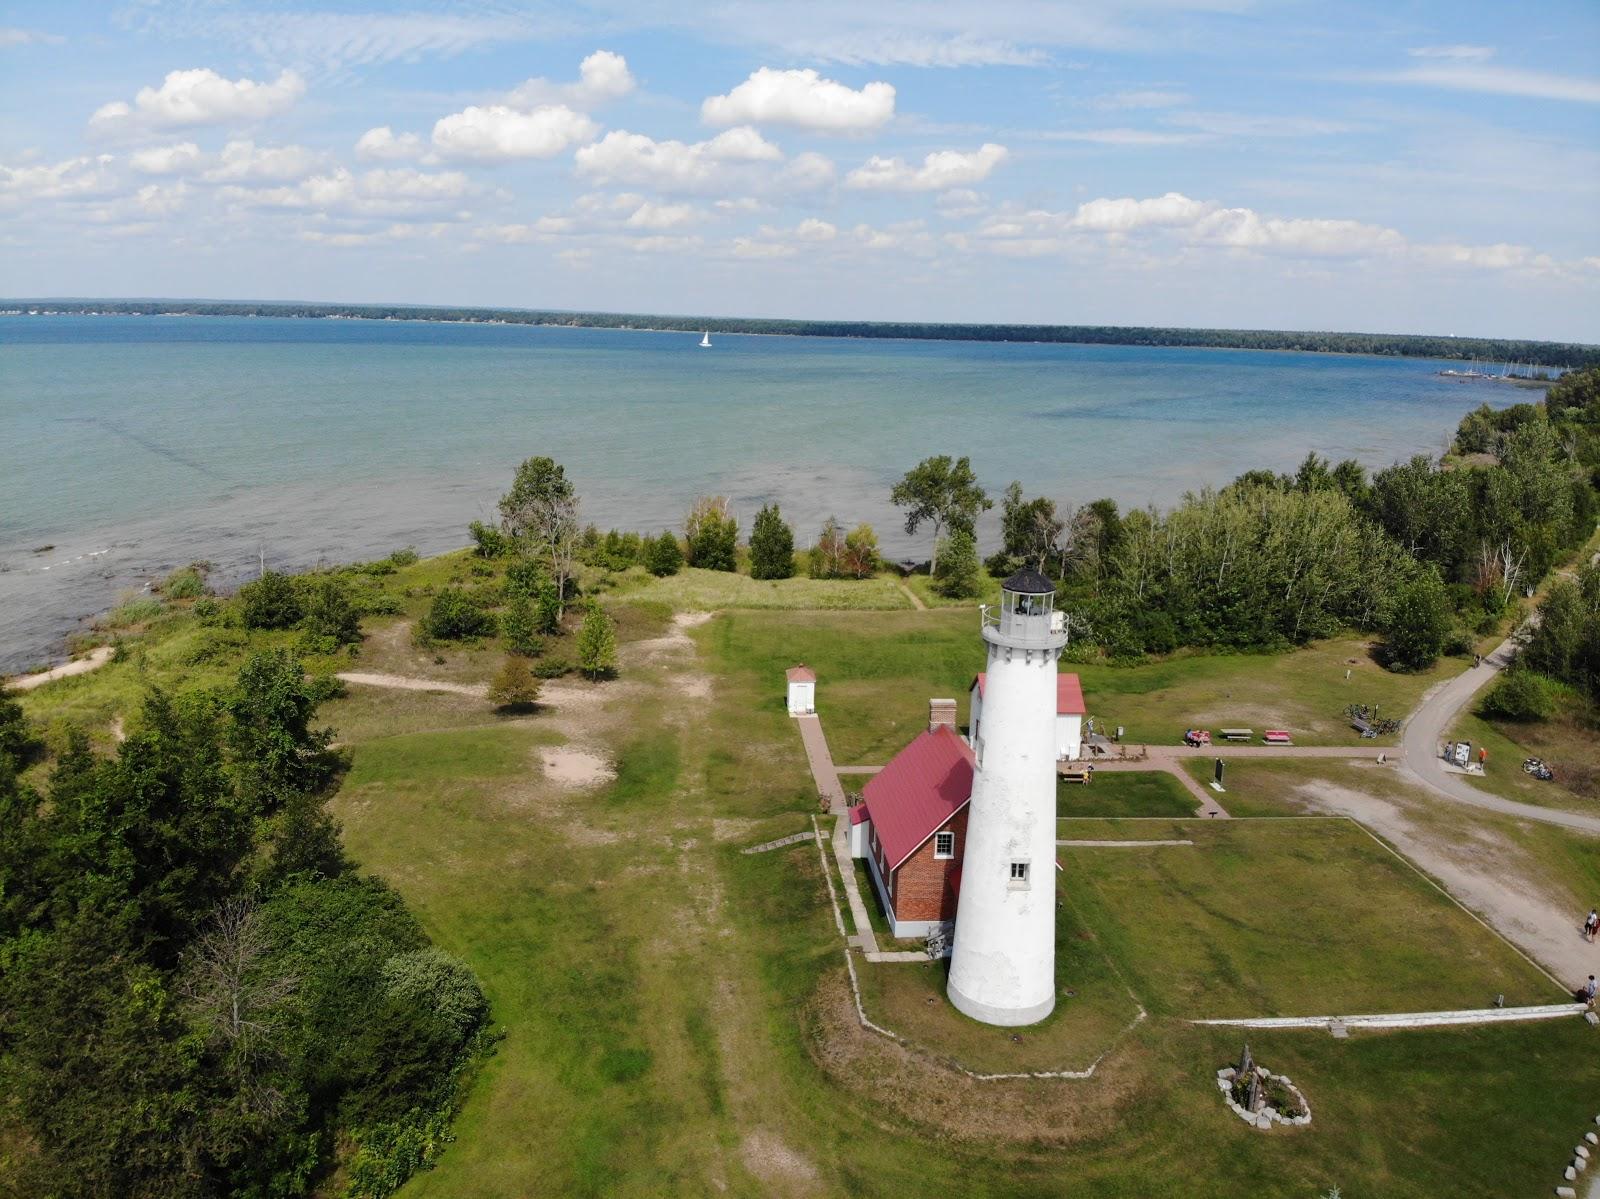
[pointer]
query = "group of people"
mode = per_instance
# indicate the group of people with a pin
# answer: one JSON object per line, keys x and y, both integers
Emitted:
{"x": 1591, "y": 928}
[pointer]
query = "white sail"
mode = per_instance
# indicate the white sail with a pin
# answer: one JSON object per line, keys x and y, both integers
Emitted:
{"x": 705, "y": 342}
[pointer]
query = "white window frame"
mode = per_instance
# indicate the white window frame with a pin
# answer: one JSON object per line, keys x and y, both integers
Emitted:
{"x": 949, "y": 853}
{"x": 1021, "y": 875}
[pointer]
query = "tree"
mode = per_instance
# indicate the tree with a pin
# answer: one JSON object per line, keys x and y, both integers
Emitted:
{"x": 488, "y": 541}
{"x": 957, "y": 574}
{"x": 942, "y": 494}
{"x": 1030, "y": 531}
{"x": 519, "y": 627}
{"x": 860, "y": 552}
{"x": 771, "y": 545}
{"x": 329, "y": 612}
{"x": 597, "y": 643}
{"x": 515, "y": 685}
{"x": 541, "y": 512}
{"x": 17, "y": 741}
{"x": 275, "y": 750}
{"x": 712, "y": 532}
{"x": 1418, "y": 623}
{"x": 456, "y": 616}
{"x": 548, "y": 609}
{"x": 664, "y": 556}
{"x": 271, "y": 602}
{"x": 827, "y": 555}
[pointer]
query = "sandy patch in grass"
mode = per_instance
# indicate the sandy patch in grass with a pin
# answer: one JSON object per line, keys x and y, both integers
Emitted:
{"x": 724, "y": 828}
{"x": 573, "y": 767}
{"x": 775, "y": 1163}
{"x": 1483, "y": 871}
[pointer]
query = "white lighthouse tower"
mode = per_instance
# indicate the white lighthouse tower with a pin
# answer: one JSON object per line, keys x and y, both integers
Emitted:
{"x": 1003, "y": 962}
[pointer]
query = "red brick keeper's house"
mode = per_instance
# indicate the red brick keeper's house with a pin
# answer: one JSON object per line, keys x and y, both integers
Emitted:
{"x": 911, "y": 828}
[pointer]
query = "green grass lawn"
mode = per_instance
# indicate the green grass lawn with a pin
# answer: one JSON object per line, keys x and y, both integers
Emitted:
{"x": 1287, "y": 918}
{"x": 692, "y": 590}
{"x": 877, "y": 670}
{"x": 1125, "y": 793}
{"x": 1093, "y": 1007}
{"x": 1568, "y": 744}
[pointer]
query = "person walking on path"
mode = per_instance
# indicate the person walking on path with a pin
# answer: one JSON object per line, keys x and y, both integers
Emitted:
{"x": 1591, "y": 924}
{"x": 1586, "y": 992}
{"x": 1483, "y": 757}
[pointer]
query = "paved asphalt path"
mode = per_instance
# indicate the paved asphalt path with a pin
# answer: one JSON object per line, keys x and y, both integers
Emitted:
{"x": 1423, "y": 735}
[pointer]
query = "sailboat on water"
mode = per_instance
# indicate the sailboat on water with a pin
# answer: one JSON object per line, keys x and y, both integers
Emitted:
{"x": 705, "y": 342}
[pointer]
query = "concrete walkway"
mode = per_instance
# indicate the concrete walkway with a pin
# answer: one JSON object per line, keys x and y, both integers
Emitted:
{"x": 1423, "y": 735}
{"x": 1156, "y": 757}
{"x": 1493, "y": 1015}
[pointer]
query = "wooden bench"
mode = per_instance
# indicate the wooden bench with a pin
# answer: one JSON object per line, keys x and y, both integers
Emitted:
{"x": 1236, "y": 734}
{"x": 1077, "y": 774}
{"x": 1277, "y": 737}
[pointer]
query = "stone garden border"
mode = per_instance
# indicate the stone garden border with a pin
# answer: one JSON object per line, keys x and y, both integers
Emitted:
{"x": 1266, "y": 1117}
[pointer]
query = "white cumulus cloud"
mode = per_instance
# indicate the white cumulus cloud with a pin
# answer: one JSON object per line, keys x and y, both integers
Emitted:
{"x": 199, "y": 97}
{"x": 661, "y": 216}
{"x": 383, "y": 144}
{"x": 72, "y": 178}
{"x": 633, "y": 158}
{"x": 939, "y": 170}
{"x": 802, "y": 99}
{"x": 391, "y": 191}
{"x": 498, "y": 133}
{"x": 242, "y": 161}
{"x": 602, "y": 77}
{"x": 179, "y": 159}
{"x": 815, "y": 229}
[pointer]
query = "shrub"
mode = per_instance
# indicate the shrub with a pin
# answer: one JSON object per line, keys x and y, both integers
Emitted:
{"x": 827, "y": 555}
{"x": 329, "y": 612}
{"x": 1418, "y": 623}
{"x": 861, "y": 552}
{"x": 548, "y": 609}
{"x": 552, "y": 668}
{"x": 524, "y": 576}
{"x": 405, "y": 557}
{"x": 597, "y": 643}
{"x": 187, "y": 582}
{"x": 664, "y": 556}
{"x": 514, "y": 685}
{"x": 488, "y": 541}
{"x": 271, "y": 602}
{"x": 16, "y": 738}
{"x": 618, "y": 551}
{"x": 957, "y": 573}
{"x": 454, "y": 616}
{"x": 771, "y": 545}
{"x": 133, "y": 612}
{"x": 519, "y": 627}
{"x": 1521, "y": 695}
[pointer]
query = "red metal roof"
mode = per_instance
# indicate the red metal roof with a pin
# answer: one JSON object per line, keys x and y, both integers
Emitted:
{"x": 1069, "y": 694}
{"x": 801, "y": 674}
{"x": 859, "y": 813}
{"x": 924, "y": 785}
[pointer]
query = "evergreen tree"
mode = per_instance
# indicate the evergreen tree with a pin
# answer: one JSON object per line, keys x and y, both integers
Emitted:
{"x": 771, "y": 545}
{"x": 712, "y": 534}
{"x": 329, "y": 612}
{"x": 519, "y": 627}
{"x": 957, "y": 574}
{"x": 597, "y": 643}
{"x": 549, "y": 610}
{"x": 664, "y": 556}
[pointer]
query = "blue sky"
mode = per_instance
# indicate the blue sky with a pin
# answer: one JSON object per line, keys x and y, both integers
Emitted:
{"x": 1428, "y": 167}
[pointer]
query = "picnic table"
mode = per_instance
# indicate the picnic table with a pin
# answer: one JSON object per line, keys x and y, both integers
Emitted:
{"x": 1236, "y": 734}
{"x": 1277, "y": 737}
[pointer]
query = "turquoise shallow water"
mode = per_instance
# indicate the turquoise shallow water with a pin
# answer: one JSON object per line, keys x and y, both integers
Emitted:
{"x": 134, "y": 444}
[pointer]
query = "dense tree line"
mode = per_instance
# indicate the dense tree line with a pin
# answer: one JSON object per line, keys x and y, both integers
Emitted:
{"x": 199, "y": 994}
{"x": 1550, "y": 354}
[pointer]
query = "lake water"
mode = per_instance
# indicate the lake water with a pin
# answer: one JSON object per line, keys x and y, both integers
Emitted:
{"x": 136, "y": 444}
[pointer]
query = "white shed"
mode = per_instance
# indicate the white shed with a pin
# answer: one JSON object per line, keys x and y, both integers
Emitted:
{"x": 802, "y": 690}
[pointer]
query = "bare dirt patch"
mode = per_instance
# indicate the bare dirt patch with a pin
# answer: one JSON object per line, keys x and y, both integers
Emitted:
{"x": 574, "y": 767}
{"x": 775, "y": 1163}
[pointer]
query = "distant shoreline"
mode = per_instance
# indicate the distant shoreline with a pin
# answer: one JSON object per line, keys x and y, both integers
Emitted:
{"x": 1394, "y": 345}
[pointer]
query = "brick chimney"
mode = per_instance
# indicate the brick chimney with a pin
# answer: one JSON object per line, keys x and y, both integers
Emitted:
{"x": 941, "y": 712}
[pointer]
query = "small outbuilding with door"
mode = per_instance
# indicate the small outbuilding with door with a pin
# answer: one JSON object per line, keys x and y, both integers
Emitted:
{"x": 802, "y": 690}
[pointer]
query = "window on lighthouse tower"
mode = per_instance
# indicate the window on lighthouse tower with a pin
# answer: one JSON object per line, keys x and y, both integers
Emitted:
{"x": 1019, "y": 874}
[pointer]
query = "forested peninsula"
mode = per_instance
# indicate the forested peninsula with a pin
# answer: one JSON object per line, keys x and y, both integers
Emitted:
{"x": 1395, "y": 345}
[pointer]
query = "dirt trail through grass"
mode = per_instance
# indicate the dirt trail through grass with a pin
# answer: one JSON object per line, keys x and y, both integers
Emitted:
{"x": 95, "y": 659}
